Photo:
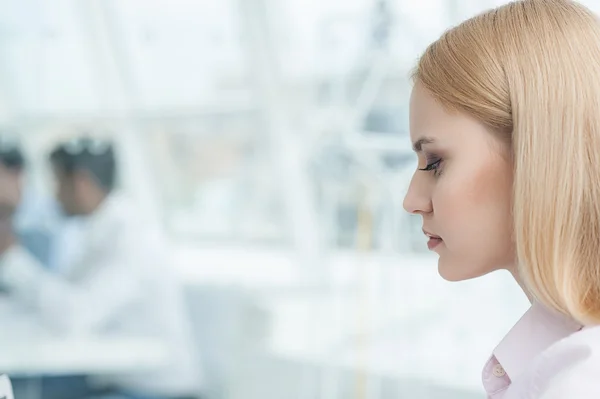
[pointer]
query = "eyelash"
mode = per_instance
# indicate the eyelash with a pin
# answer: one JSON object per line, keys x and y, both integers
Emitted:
{"x": 433, "y": 166}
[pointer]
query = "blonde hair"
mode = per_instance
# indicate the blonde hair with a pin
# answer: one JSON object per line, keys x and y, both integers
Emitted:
{"x": 530, "y": 70}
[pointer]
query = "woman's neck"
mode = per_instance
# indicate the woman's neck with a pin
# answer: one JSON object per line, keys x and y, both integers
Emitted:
{"x": 515, "y": 273}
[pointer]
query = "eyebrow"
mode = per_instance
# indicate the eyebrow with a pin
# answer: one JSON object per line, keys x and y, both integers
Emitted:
{"x": 418, "y": 145}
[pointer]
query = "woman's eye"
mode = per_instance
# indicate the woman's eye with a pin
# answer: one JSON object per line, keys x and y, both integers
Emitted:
{"x": 432, "y": 165}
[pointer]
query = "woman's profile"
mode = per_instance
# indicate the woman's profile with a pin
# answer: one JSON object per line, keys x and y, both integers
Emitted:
{"x": 505, "y": 119}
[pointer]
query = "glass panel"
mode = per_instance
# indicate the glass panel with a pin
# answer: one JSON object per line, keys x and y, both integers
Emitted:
{"x": 46, "y": 58}
{"x": 182, "y": 54}
{"x": 216, "y": 175}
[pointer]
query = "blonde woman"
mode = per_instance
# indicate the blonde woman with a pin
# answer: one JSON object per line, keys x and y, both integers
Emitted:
{"x": 505, "y": 119}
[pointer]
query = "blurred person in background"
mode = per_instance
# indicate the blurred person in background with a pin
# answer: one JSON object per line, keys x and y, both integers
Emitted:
{"x": 117, "y": 283}
{"x": 11, "y": 167}
{"x": 28, "y": 214}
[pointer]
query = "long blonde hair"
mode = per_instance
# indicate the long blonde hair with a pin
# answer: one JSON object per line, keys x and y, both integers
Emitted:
{"x": 530, "y": 70}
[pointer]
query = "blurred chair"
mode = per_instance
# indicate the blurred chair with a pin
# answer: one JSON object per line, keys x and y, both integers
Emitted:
{"x": 229, "y": 328}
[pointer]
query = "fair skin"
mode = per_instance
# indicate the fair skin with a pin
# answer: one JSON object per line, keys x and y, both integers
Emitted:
{"x": 10, "y": 190}
{"x": 10, "y": 196}
{"x": 465, "y": 197}
{"x": 78, "y": 192}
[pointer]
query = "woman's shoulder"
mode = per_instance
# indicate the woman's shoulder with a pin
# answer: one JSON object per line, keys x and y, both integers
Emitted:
{"x": 567, "y": 369}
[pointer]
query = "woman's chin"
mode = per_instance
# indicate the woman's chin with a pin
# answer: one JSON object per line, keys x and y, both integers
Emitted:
{"x": 458, "y": 271}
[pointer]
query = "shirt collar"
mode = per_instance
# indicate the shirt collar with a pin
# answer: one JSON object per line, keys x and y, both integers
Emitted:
{"x": 111, "y": 204}
{"x": 534, "y": 332}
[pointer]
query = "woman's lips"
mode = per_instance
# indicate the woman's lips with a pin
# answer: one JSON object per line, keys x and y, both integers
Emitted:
{"x": 433, "y": 242}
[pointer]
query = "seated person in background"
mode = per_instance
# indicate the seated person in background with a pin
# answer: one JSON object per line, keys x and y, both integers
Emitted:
{"x": 29, "y": 228}
{"x": 10, "y": 194}
{"x": 119, "y": 284}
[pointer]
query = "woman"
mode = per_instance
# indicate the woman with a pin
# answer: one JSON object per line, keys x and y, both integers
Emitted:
{"x": 505, "y": 119}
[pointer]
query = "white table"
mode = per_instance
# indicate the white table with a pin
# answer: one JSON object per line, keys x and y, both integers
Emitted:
{"x": 26, "y": 348}
{"x": 40, "y": 355}
{"x": 47, "y": 355}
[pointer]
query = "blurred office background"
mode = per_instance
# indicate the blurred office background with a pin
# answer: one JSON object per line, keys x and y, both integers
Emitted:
{"x": 269, "y": 140}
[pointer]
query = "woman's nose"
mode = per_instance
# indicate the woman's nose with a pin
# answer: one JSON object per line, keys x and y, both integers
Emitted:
{"x": 417, "y": 199}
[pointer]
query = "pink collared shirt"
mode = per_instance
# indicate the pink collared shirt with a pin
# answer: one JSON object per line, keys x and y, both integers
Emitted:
{"x": 545, "y": 356}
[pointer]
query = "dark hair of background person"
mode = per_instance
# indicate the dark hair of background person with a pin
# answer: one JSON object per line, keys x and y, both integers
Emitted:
{"x": 96, "y": 157}
{"x": 11, "y": 156}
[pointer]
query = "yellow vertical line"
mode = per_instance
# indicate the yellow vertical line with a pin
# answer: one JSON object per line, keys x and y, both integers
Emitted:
{"x": 364, "y": 245}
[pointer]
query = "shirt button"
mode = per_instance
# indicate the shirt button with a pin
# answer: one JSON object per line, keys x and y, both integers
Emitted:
{"x": 499, "y": 371}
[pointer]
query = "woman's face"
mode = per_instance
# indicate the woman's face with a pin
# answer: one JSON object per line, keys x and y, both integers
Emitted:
{"x": 464, "y": 196}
